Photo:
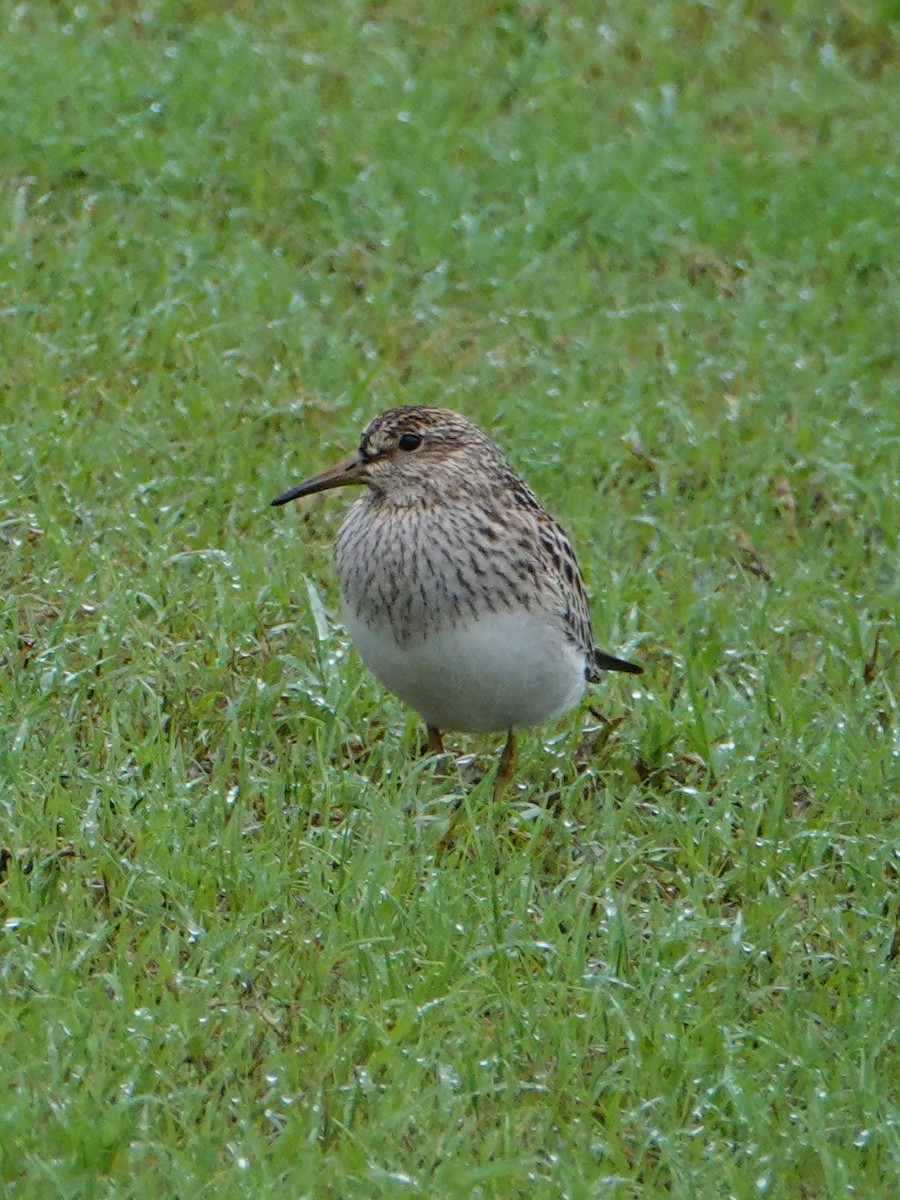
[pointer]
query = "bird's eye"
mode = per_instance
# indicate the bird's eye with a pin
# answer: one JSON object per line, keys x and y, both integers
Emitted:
{"x": 409, "y": 441}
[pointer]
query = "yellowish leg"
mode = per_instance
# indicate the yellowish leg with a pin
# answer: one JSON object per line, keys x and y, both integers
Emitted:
{"x": 435, "y": 744}
{"x": 506, "y": 769}
{"x": 509, "y": 760}
{"x": 435, "y": 741}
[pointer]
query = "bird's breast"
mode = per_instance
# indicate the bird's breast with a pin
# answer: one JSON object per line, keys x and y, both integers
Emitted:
{"x": 448, "y": 607}
{"x": 499, "y": 671}
{"x": 413, "y": 572}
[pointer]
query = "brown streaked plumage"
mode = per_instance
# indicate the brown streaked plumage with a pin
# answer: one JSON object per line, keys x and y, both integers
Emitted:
{"x": 460, "y": 590}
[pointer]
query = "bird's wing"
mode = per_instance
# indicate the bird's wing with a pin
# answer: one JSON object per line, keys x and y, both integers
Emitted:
{"x": 559, "y": 575}
{"x": 563, "y": 583}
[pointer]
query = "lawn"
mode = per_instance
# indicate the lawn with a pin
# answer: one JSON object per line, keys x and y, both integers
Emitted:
{"x": 653, "y": 249}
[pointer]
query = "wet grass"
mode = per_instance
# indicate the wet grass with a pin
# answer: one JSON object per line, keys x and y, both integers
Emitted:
{"x": 652, "y": 249}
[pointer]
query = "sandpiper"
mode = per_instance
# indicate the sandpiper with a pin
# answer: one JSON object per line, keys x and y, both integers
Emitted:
{"x": 462, "y": 594}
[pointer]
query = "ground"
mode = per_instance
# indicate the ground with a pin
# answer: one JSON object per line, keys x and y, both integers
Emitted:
{"x": 653, "y": 249}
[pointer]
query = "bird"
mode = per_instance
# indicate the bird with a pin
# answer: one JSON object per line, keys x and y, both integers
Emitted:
{"x": 461, "y": 592}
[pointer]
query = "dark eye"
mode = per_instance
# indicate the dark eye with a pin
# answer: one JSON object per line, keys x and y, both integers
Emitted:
{"x": 409, "y": 441}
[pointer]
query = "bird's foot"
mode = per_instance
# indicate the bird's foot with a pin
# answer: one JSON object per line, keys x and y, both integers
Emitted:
{"x": 506, "y": 768}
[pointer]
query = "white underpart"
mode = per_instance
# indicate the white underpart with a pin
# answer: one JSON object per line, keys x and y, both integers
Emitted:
{"x": 503, "y": 671}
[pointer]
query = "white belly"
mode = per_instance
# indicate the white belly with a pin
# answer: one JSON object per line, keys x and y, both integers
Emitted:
{"x": 503, "y": 671}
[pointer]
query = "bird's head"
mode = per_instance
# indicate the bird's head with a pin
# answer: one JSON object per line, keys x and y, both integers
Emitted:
{"x": 413, "y": 453}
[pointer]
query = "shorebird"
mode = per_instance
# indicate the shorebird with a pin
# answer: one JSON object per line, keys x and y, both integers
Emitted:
{"x": 462, "y": 594}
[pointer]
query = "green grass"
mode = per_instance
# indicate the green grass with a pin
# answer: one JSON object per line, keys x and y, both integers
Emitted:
{"x": 653, "y": 249}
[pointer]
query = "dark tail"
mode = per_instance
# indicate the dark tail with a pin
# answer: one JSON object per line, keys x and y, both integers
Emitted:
{"x": 606, "y": 662}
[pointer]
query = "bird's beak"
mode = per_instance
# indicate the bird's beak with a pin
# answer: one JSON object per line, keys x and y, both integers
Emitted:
{"x": 342, "y": 473}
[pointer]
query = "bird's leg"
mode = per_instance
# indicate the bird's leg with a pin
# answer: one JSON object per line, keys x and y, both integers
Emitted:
{"x": 435, "y": 741}
{"x": 435, "y": 745}
{"x": 507, "y": 766}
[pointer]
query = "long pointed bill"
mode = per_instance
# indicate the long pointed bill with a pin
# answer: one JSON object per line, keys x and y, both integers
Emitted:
{"x": 342, "y": 473}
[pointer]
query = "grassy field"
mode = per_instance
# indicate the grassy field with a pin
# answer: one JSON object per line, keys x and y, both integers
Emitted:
{"x": 652, "y": 247}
